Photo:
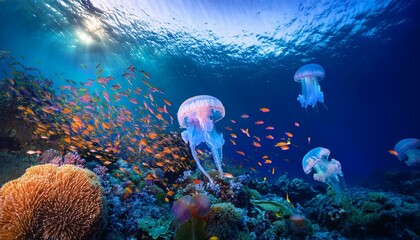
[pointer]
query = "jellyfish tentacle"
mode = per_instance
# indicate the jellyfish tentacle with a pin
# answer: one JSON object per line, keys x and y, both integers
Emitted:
{"x": 197, "y": 161}
{"x": 194, "y": 136}
{"x": 215, "y": 141}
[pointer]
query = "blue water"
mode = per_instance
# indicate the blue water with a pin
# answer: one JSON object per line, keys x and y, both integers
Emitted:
{"x": 245, "y": 53}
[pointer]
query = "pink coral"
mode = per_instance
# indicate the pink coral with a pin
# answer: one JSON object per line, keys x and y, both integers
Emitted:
{"x": 54, "y": 157}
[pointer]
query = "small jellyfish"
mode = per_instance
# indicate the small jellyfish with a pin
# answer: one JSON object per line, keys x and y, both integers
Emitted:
{"x": 309, "y": 75}
{"x": 327, "y": 171}
{"x": 186, "y": 207}
{"x": 408, "y": 150}
{"x": 182, "y": 209}
{"x": 198, "y": 115}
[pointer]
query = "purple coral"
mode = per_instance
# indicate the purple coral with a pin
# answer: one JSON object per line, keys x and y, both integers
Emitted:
{"x": 50, "y": 156}
{"x": 73, "y": 159}
{"x": 328, "y": 171}
{"x": 54, "y": 157}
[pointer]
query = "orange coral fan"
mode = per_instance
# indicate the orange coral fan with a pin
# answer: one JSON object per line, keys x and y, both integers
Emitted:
{"x": 51, "y": 203}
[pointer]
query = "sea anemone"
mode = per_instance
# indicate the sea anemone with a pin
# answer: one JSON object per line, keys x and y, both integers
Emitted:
{"x": 52, "y": 203}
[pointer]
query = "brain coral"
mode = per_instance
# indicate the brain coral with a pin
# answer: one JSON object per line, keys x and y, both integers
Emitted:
{"x": 50, "y": 202}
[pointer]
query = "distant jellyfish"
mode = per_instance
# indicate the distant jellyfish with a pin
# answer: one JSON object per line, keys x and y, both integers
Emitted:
{"x": 327, "y": 171}
{"x": 408, "y": 150}
{"x": 309, "y": 75}
{"x": 198, "y": 115}
{"x": 202, "y": 206}
{"x": 186, "y": 207}
{"x": 182, "y": 209}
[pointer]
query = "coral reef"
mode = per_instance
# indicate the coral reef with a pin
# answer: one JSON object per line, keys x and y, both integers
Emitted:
{"x": 53, "y": 203}
{"x": 367, "y": 214}
{"x": 224, "y": 221}
{"x": 54, "y": 157}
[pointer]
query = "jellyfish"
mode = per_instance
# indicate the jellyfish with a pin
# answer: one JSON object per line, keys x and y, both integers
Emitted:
{"x": 198, "y": 115}
{"x": 409, "y": 150}
{"x": 327, "y": 171}
{"x": 189, "y": 215}
{"x": 309, "y": 75}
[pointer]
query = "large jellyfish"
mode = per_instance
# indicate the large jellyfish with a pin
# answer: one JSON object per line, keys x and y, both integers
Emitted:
{"x": 309, "y": 75}
{"x": 408, "y": 150}
{"x": 198, "y": 115}
{"x": 327, "y": 171}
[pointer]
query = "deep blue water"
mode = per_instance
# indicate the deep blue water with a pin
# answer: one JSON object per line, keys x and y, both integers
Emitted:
{"x": 245, "y": 53}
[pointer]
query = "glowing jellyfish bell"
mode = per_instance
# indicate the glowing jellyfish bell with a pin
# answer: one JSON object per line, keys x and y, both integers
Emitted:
{"x": 327, "y": 171}
{"x": 309, "y": 76}
{"x": 198, "y": 115}
{"x": 408, "y": 150}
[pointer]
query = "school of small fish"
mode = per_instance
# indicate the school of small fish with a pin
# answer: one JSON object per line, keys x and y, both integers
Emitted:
{"x": 125, "y": 117}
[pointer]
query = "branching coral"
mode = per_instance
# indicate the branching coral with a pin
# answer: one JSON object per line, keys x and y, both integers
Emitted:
{"x": 52, "y": 203}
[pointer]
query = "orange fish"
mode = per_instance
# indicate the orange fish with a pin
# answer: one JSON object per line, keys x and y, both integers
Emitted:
{"x": 258, "y": 139}
{"x": 256, "y": 144}
{"x": 264, "y": 110}
{"x": 228, "y": 128}
{"x": 167, "y": 102}
{"x": 197, "y": 181}
{"x": 245, "y": 131}
{"x": 272, "y": 171}
{"x": 30, "y": 152}
{"x": 269, "y": 128}
{"x": 145, "y": 74}
{"x": 265, "y": 157}
{"x": 227, "y": 175}
{"x": 259, "y": 122}
{"x": 393, "y": 152}
{"x": 233, "y": 135}
{"x": 106, "y": 96}
{"x": 281, "y": 144}
{"x": 244, "y": 116}
{"x": 268, "y": 161}
{"x": 289, "y": 134}
{"x": 240, "y": 152}
{"x": 269, "y": 137}
{"x": 297, "y": 124}
{"x": 233, "y": 121}
{"x": 259, "y": 163}
{"x": 284, "y": 148}
{"x": 233, "y": 141}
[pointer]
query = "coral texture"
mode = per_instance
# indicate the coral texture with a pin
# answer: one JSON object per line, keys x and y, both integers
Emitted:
{"x": 52, "y": 203}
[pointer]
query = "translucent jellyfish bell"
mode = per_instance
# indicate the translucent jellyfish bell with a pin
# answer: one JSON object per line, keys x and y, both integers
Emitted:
{"x": 198, "y": 115}
{"x": 327, "y": 171}
{"x": 408, "y": 150}
{"x": 309, "y": 76}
